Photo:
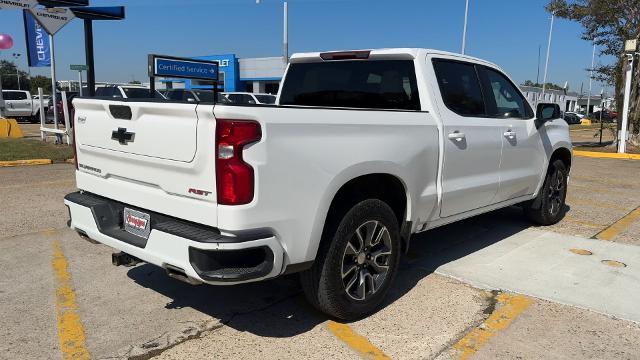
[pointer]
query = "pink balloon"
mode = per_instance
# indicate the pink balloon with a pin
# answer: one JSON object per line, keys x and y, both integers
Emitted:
{"x": 6, "y": 42}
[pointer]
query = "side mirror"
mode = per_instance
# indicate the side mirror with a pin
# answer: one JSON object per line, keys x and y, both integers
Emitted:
{"x": 547, "y": 112}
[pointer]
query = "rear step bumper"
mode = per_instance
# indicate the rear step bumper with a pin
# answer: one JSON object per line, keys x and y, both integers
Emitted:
{"x": 201, "y": 252}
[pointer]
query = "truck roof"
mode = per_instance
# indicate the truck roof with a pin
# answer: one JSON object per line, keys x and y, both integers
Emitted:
{"x": 388, "y": 53}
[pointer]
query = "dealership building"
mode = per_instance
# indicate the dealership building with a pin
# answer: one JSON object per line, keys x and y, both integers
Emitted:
{"x": 257, "y": 75}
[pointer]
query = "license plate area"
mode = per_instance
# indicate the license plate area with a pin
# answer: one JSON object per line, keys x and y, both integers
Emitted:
{"x": 136, "y": 223}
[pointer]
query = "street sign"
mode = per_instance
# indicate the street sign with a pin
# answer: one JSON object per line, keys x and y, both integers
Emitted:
{"x": 18, "y": 4}
{"x": 167, "y": 66}
{"x": 53, "y": 19}
{"x": 78, "y": 67}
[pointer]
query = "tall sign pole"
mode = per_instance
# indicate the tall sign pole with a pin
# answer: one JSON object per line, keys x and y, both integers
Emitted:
{"x": 285, "y": 42}
{"x": 546, "y": 63}
{"x": 53, "y": 80}
{"x": 464, "y": 29}
{"x": 88, "y": 45}
{"x": 630, "y": 48}
{"x": 593, "y": 58}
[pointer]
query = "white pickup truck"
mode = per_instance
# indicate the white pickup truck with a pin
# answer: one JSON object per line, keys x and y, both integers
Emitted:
{"x": 361, "y": 150}
{"x": 19, "y": 104}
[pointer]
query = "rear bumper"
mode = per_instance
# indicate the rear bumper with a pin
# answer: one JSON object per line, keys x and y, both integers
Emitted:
{"x": 201, "y": 252}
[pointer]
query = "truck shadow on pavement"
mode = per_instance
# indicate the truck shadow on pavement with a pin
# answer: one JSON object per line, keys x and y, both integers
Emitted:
{"x": 277, "y": 308}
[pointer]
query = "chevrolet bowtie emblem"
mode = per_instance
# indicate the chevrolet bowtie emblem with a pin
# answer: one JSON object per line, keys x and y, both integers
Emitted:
{"x": 123, "y": 136}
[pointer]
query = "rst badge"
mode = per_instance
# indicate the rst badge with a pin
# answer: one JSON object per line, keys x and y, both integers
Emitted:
{"x": 199, "y": 192}
{"x": 137, "y": 223}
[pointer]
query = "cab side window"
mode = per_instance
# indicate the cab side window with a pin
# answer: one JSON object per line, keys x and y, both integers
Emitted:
{"x": 460, "y": 87}
{"x": 502, "y": 97}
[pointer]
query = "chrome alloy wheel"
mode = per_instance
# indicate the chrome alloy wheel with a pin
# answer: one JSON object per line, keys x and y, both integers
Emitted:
{"x": 556, "y": 192}
{"x": 365, "y": 263}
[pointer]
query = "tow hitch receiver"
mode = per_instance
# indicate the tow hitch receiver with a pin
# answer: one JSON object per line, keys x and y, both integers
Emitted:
{"x": 124, "y": 259}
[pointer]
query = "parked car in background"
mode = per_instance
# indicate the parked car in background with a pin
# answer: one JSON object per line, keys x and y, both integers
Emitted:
{"x": 579, "y": 115}
{"x": 70, "y": 96}
{"x": 362, "y": 150}
{"x": 126, "y": 92}
{"x": 250, "y": 98}
{"x": 45, "y": 98}
{"x": 571, "y": 118}
{"x": 605, "y": 115}
{"x": 20, "y": 104}
{"x": 195, "y": 95}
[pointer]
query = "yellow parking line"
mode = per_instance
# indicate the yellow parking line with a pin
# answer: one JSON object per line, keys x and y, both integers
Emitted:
{"x": 509, "y": 307}
{"x": 70, "y": 329}
{"x": 25, "y": 162}
{"x": 355, "y": 341}
{"x": 604, "y": 155}
{"x": 619, "y": 226}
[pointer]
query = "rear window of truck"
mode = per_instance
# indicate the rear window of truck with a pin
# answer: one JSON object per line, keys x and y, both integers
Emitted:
{"x": 371, "y": 84}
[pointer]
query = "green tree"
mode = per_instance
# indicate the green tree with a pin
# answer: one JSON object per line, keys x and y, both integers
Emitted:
{"x": 550, "y": 86}
{"x": 41, "y": 81}
{"x": 10, "y": 76}
{"x": 608, "y": 23}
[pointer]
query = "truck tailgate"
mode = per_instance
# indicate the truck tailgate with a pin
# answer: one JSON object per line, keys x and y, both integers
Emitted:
{"x": 157, "y": 156}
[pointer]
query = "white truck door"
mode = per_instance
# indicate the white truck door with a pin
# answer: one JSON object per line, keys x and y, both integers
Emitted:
{"x": 472, "y": 142}
{"x": 13, "y": 101}
{"x": 22, "y": 104}
{"x": 523, "y": 158}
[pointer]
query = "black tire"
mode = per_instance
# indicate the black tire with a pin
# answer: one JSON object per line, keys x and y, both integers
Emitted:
{"x": 549, "y": 206}
{"x": 35, "y": 118}
{"x": 324, "y": 284}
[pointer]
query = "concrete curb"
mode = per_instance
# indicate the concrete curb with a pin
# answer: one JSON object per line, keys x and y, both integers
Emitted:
{"x": 26, "y": 162}
{"x": 604, "y": 155}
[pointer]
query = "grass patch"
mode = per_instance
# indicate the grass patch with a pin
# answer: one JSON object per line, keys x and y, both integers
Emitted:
{"x": 26, "y": 149}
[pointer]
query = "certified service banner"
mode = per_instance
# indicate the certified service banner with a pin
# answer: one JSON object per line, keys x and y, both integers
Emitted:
{"x": 38, "y": 50}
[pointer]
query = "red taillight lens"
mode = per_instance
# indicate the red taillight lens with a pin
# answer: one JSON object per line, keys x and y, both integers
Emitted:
{"x": 234, "y": 177}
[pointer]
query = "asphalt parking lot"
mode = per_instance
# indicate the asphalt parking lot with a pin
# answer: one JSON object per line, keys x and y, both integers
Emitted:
{"x": 488, "y": 287}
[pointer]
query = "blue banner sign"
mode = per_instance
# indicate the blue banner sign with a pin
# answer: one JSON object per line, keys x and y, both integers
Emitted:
{"x": 38, "y": 50}
{"x": 166, "y": 66}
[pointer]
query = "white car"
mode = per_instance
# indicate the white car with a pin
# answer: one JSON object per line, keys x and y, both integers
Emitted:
{"x": 362, "y": 150}
{"x": 125, "y": 92}
{"x": 581, "y": 116}
{"x": 19, "y": 104}
{"x": 250, "y": 98}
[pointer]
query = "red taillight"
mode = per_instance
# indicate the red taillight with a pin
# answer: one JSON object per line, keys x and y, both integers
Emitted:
{"x": 234, "y": 177}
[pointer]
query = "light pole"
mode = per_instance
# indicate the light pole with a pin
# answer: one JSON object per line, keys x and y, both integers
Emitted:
{"x": 285, "y": 35}
{"x": 593, "y": 58}
{"x": 16, "y": 56}
{"x": 546, "y": 63}
{"x": 464, "y": 29}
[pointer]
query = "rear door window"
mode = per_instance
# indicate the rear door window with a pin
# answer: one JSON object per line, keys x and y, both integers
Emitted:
{"x": 371, "y": 84}
{"x": 460, "y": 87}
{"x": 20, "y": 95}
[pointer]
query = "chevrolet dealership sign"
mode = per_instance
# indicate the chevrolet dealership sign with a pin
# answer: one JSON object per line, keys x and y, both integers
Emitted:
{"x": 52, "y": 19}
{"x": 18, "y": 4}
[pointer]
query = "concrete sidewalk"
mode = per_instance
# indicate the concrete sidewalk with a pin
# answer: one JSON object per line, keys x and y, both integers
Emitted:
{"x": 540, "y": 264}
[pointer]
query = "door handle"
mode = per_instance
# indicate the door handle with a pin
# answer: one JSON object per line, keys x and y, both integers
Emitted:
{"x": 457, "y": 136}
{"x": 510, "y": 134}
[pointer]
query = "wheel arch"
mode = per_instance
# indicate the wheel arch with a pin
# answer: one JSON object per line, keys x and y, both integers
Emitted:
{"x": 355, "y": 187}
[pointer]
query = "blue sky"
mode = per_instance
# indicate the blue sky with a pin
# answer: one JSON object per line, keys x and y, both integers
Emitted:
{"x": 506, "y": 32}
